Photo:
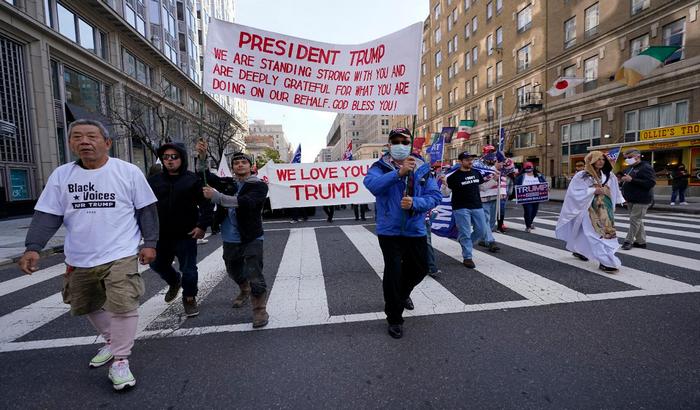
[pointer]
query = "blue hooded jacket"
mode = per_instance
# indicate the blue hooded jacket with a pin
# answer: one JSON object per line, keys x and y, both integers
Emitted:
{"x": 384, "y": 182}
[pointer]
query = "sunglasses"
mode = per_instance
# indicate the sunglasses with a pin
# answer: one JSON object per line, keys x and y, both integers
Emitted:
{"x": 170, "y": 156}
{"x": 404, "y": 142}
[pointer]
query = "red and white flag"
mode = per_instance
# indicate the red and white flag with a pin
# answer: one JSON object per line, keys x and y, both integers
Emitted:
{"x": 564, "y": 84}
{"x": 347, "y": 156}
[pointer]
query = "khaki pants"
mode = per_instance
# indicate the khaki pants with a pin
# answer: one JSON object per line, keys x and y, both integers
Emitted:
{"x": 636, "y": 232}
{"x": 115, "y": 286}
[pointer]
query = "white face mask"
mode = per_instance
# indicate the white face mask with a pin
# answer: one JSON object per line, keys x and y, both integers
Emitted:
{"x": 400, "y": 151}
{"x": 630, "y": 161}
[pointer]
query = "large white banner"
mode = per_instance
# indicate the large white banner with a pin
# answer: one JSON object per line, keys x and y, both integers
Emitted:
{"x": 316, "y": 184}
{"x": 378, "y": 77}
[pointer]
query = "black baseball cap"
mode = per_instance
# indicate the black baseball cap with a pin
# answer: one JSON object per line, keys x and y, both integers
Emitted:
{"x": 465, "y": 155}
{"x": 399, "y": 132}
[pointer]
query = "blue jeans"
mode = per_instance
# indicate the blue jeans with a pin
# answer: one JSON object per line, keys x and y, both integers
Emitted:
{"x": 530, "y": 211}
{"x": 186, "y": 252}
{"x": 490, "y": 218}
{"x": 471, "y": 224}
{"x": 678, "y": 192}
{"x": 432, "y": 267}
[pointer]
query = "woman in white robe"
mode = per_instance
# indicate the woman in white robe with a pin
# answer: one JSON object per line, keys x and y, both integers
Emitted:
{"x": 586, "y": 221}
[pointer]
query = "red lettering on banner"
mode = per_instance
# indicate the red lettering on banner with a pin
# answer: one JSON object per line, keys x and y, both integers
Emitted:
{"x": 401, "y": 88}
{"x": 386, "y": 105}
{"x": 228, "y": 86}
{"x": 286, "y": 174}
{"x": 341, "y": 190}
{"x": 355, "y": 170}
{"x": 243, "y": 59}
{"x": 274, "y": 46}
{"x": 223, "y": 70}
{"x": 362, "y": 105}
{"x": 319, "y": 173}
{"x": 398, "y": 71}
{"x": 367, "y": 56}
{"x": 220, "y": 54}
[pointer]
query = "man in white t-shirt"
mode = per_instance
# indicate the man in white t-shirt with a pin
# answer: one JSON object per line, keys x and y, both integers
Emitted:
{"x": 106, "y": 205}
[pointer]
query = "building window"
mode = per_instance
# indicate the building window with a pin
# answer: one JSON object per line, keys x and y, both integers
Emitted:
{"x": 425, "y": 90}
{"x": 674, "y": 35}
{"x": 590, "y": 72}
{"x": 467, "y": 31}
{"x": 425, "y": 113}
{"x": 438, "y": 35}
{"x": 453, "y": 69}
{"x": 467, "y": 4}
{"x": 525, "y": 19}
{"x": 467, "y": 60}
{"x": 438, "y": 104}
{"x": 438, "y": 82}
{"x": 522, "y": 93}
{"x": 134, "y": 14}
{"x": 475, "y": 24}
{"x": 450, "y": 97}
{"x": 136, "y": 68}
{"x": 639, "y": 44}
{"x": 489, "y": 10}
{"x": 592, "y": 18}
{"x": 66, "y": 22}
{"x": 422, "y": 69}
{"x": 475, "y": 55}
{"x": 449, "y": 24}
{"x": 524, "y": 140}
{"x": 499, "y": 106}
{"x": 524, "y": 58}
{"x": 438, "y": 59}
{"x": 499, "y": 37}
{"x": 489, "y": 44}
{"x": 570, "y": 71}
{"x": 423, "y": 47}
{"x": 454, "y": 43}
{"x": 578, "y": 136}
{"x": 437, "y": 10}
{"x": 171, "y": 91}
{"x": 475, "y": 85}
{"x": 499, "y": 71}
{"x": 490, "y": 113}
{"x": 662, "y": 115}
{"x": 570, "y": 32}
{"x": 450, "y": 48}
{"x": 489, "y": 76}
{"x": 82, "y": 90}
{"x": 467, "y": 88}
{"x": 499, "y": 6}
{"x": 76, "y": 29}
{"x": 475, "y": 113}
{"x": 639, "y": 5}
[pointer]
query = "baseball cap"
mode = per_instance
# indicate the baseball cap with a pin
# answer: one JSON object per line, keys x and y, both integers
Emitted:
{"x": 465, "y": 155}
{"x": 402, "y": 132}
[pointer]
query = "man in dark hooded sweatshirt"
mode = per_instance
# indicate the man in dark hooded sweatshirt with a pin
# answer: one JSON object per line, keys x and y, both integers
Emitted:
{"x": 185, "y": 215}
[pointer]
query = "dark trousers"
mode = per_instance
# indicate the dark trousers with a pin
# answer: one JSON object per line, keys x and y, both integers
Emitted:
{"x": 530, "y": 211}
{"x": 405, "y": 266}
{"x": 299, "y": 213}
{"x": 359, "y": 211}
{"x": 329, "y": 210}
{"x": 185, "y": 250}
{"x": 244, "y": 262}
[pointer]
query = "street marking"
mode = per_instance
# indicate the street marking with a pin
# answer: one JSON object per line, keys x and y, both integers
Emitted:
{"x": 646, "y": 222}
{"x": 428, "y": 297}
{"x": 21, "y": 282}
{"x": 630, "y": 276}
{"x": 299, "y": 291}
{"x": 650, "y": 239}
{"x": 676, "y": 232}
{"x": 533, "y": 287}
{"x": 31, "y": 317}
{"x": 674, "y": 260}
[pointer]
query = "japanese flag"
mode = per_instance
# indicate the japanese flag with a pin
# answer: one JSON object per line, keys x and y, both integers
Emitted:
{"x": 564, "y": 84}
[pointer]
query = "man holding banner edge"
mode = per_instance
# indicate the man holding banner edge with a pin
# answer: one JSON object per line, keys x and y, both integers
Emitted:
{"x": 404, "y": 191}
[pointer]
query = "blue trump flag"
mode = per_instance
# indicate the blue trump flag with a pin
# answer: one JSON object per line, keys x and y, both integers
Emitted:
{"x": 297, "y": 156}
{"x": 436, "y": 150}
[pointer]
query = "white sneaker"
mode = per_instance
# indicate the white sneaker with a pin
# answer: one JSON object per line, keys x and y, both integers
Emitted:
{"x": 120, "y": 375}
{"x": 684, "y": 203}
{"x": 202, "y": 241}
{"x": 103, "y": 356}
{"x": 673, "y": 203}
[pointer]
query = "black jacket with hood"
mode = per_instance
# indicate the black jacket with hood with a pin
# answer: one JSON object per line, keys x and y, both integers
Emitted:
{"x": 640, "y": 190}
{"x": 181, "y": 204}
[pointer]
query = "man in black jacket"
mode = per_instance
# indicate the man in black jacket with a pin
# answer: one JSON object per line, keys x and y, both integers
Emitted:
{"x": 242, "y": 231}
{"x": 185, "y": 215}
{"x": 638, "y": 189}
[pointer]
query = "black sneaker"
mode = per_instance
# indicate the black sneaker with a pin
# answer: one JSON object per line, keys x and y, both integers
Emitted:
{"x": 493, "y": 248}
{"x": 408, "y": 304}
{"x": 482, "y": 243}
{"x": 578, "y": 255}
{"x": 396, "y": 331}
{"x": 172, "y": 292}
{"x": 607, "y": 268}
{"x": 626, "y": 246}
{"x": 639, "y": 245}
{"x": 190, "y": 304}
{"x": 469, "y": 263}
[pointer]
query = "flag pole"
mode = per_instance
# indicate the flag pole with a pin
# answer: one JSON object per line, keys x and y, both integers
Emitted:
{"x": 498, "y": 171}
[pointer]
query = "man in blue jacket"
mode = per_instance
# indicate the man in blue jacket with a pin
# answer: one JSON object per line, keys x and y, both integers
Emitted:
{"x": 404, "y": 191}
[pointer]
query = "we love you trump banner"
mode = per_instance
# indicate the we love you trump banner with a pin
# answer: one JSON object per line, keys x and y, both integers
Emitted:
{"x": 316, "y": 184}
{"x": 378, "y": 77}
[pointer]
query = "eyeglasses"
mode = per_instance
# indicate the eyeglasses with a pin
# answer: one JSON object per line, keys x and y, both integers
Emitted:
{"x": 404, "y": 142}
{"x": 170, "y": 156}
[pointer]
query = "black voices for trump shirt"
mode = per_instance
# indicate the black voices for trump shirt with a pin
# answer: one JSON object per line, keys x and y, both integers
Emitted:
{"x": 465, "y": 189}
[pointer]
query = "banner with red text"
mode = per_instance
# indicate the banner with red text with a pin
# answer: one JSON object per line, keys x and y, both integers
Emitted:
{"x": 316, "y": 184}
{"x": 377, "y": 77}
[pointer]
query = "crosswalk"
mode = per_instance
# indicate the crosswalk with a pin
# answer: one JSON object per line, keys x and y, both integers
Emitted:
{"x": 330, "y": 274}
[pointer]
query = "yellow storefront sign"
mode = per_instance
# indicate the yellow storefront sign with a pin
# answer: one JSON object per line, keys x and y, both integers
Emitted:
{"x": 665, "y": 145}
{"x": 684, "y": 130}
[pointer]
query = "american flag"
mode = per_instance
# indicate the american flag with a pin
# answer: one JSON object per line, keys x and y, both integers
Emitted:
{"x": 348, "y": 152}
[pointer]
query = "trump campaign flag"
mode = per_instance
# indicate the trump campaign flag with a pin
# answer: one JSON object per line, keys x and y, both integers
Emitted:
{"x": 297, "y": 155}
{"x": 347, "y": 156}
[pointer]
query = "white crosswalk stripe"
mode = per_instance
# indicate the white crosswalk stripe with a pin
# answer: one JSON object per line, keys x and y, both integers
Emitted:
{"x": 298, "y": 294}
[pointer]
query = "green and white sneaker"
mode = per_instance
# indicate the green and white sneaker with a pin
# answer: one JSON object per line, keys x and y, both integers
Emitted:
{"x": 120, "y": 375}
{"x": 103, "y": 356}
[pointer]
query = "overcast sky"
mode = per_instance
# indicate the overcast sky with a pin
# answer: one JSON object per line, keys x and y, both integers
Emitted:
{"x": 340, "y": 22}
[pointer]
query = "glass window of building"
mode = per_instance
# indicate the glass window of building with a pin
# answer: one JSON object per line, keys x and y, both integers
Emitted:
{"x": 489, "y": 10}
{"x": 467, "y": 31}
{"x": 674, "y": 35}
{"x": 66, "y": 22}
{"x": 639, "y": 5}
{"x": 475, "y": 24}
{"x": 438, "y": 58}
{"x": 489, "y": 44}
{"x": 590, "y": 73}
{"x": 525, "y": 18}
{"x": 489, "y": 76}
{"x": 499, "y": 6}
{"x": 524, "y": 58}
{"x": 438, "y": 35}
{"x": 499, "y": 71}
{"x": 438, "y": 104}
{"x": 499, "y": 37}
{"x": 570, "y": 71}
{"x": 570, "y": 32}
{"x": 592, "y": 18}
{"x": 82, "y": 90}
{"x": 467, "y": 60}
{"x": 475, "y": 85}
{"x": 475, "y": 55}
{"x": 87, "y": 35}
{"x": 639, "y": 44}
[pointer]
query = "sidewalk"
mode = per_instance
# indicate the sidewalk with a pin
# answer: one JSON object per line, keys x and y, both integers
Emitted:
{"x": 661, "y": 202}
{"x": 12, "y": 234}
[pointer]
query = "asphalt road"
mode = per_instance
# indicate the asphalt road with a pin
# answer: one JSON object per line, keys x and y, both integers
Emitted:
{"x": 529, "y": 328}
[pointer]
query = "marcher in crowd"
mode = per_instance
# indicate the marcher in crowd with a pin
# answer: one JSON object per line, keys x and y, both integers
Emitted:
{"x": 184, "y": 216}
{"x": 587, "y": 218}
{"x": 530, "y": 176}
{"x": 467, "y": 208}
{"x": 359, "y": 210}
{"x": 679, "y": 184}
{"x": 405, "y": 191}
{"x": 493, "y": 193}
{"x": 106, "y": 206}
{"x": 638, "y": 189}
{"x": 329, "y": 210}
{"x": 242, "y": 231}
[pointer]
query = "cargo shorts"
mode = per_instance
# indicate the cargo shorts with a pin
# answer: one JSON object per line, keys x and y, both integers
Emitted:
{"x": 115, "y": 286}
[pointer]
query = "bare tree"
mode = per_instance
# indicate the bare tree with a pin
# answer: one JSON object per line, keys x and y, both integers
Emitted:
{"x": 220, "y": 137}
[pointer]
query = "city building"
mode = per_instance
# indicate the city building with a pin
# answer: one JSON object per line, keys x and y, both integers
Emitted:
{"x": 131, "y": 64}
{"x": 258, "y": 133}
{"x": 493, "y": 61}
{"x": 324, "y": 155}
{"x": 360, "y": 129}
